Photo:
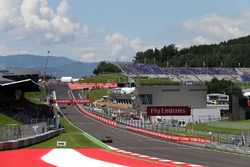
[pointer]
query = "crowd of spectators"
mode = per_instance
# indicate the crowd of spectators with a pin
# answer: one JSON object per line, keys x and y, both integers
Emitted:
{"x": 152, "y": 70}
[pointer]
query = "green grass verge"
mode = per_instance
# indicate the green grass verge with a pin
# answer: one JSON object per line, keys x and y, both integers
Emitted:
{"x": 186, "y": 134}
{"x": 229, "y": 127}
{"x": 35, "y": 97}
{"x": 74, "y": 138}
{"x": 240, "y": 125}
{"x": 96, "y": 94}
{"x": 155, "y": 81}
{"x": 103, "y": 78}
{"x": 243, "y": 85}
{"x": 5, "y": 120}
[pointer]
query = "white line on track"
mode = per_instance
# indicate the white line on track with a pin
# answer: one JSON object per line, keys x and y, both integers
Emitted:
{"x": 165, "y": 160}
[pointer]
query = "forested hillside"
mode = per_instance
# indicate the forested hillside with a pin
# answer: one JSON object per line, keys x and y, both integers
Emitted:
{"x": 232, "y": 53}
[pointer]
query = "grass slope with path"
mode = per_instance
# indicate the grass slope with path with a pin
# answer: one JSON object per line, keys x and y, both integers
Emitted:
{"x": 74, "y": 138}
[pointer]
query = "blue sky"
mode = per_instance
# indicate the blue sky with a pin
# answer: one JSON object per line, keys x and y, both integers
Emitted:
{"x": 114, "y": 30}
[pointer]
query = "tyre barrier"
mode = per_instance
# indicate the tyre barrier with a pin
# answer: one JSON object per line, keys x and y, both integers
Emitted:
{"x": 169, "y": 137}
{"x": 19, "y": 143}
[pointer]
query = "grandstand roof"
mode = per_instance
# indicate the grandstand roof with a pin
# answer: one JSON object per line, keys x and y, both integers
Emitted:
{"x": 4, "y": 80}
{"x": 24, "y": 84}
{"x": 18, "y": 72}
{"x": 21, "y": 72}
{"x": 27, "y": 85}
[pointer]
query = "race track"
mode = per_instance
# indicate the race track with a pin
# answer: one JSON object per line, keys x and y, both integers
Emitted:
{"x": 148, "y": 146}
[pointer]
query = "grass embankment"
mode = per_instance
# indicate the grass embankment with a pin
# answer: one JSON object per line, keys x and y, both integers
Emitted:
{"x": 229, "y": 127}
{"x": 5, "y": 120}
{"x": 97, "y": 94}
{"x": 35, "y": 97}
{"x": 242, "y": 85}
{"x": 104, "y": 78}
{"x": 155, "y": 81}
{"x": 73, "y": 137}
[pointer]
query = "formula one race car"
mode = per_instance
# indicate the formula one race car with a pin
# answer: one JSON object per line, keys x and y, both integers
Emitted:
{"x": 107, "y": 139}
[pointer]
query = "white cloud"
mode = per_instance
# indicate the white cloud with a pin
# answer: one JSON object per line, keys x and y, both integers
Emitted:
{"x": 201, "y": 40}
{"x": 136, "y": 44}
{"x": 34, "y": 19}
{"x": 4, "y": 50}
{"x": 88, "y": 57}
{"x": 115, "y": 38}
{"x": 116, "y": 44}
{"x": 116, "y": 48}
{"x": 63, "y": 8}
{"x": 214, "y": 28}
{"x": 121, "y": 48}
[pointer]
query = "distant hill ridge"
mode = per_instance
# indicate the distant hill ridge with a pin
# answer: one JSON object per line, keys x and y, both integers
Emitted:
{"x": 57, "y": 66}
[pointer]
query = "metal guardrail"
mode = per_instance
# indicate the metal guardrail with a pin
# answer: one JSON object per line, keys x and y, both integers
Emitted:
{"x": 14, "y": 132}
{"x": 227, "y": 141}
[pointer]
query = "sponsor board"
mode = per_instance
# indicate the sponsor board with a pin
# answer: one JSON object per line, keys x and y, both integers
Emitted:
{"x": 168, "y": 110}
{"x": 61, "y": 143}
{"x": 71, "y": 101}
{"x": 83, "y": 85}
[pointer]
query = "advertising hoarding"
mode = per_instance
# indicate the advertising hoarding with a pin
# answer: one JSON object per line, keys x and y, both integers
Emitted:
{"x": 168, "y": 110}
{"x": 71, "y": 101}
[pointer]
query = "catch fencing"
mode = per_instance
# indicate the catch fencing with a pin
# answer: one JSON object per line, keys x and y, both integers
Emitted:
{"x": 239, "y": 140}
{"x": 14, "y": 132}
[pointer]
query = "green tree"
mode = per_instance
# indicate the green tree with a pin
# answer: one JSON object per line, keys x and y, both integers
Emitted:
{"x": 222, "y": 86}
{"x": 105, "y": 67}
{"x": 230, "y": 53}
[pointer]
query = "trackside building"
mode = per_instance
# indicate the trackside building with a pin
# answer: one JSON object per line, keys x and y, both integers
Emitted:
{"x": 178, "y": 102}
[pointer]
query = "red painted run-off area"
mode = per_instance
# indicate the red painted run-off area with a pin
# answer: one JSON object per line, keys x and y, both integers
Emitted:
{"x": 33, "y": 158}
{"x": 23, "y": 158}
{"x": 170, "y": 137}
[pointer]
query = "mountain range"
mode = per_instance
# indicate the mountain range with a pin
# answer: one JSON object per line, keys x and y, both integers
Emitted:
{"x": 56, "y": 66}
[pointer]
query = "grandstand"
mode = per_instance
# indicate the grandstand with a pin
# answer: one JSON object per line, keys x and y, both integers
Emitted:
{"x": 25, "y": 111}
{"x": 13, "y": 84}
{"x": 185, "y": 73}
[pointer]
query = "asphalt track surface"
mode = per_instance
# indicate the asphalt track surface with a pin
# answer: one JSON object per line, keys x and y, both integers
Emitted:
{"x": 136, "y": 143}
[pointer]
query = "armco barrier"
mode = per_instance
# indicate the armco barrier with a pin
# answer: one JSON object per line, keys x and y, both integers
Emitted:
{"x": 169, "y": 137}
{"x": 84, "y": 85}
{"x": 19, "y": 143}
{"x": 104, "y": 120}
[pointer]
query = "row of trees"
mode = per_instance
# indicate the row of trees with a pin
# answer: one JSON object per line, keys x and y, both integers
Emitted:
{"x": 104, "y": 67}
{"x": 233, "y": 53}
{"x": 222, "y": 86}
